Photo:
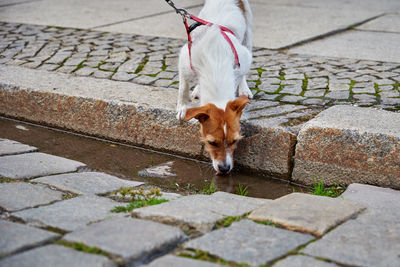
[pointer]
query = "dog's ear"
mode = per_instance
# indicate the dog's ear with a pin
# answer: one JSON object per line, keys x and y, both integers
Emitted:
{"x": 199, "y": 113}
{"x": 238, "y": 104}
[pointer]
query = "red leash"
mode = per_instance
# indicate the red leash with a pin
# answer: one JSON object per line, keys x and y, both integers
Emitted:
{"x": 186, "y": 15}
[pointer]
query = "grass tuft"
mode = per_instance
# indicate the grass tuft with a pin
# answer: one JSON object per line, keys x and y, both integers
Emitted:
{"x": 209, "y": 188}
{"x": 241, "y": 190}
{"x": 82, "y": 247}
{"x": 227, "y": 221}
{"x": 320, "y": 189}
{"x": 139, "y": 204}
{"x": 139, "y": 198}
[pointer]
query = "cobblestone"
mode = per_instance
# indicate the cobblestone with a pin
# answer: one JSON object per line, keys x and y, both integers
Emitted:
{"x": 86, "y": 53}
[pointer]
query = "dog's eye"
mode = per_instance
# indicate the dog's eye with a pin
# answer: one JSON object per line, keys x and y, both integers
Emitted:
{"x": 212, "y": 143}
{"x": 233, "y": 142}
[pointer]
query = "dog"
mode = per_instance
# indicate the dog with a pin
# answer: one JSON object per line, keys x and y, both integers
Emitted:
{"x": 212, "y": 65}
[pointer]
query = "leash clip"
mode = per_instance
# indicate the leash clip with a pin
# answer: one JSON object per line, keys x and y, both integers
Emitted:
{"x": 181, "y": 11}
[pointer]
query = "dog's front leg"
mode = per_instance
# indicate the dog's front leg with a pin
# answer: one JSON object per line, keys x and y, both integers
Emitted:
{"x": 243, "y": 88}
{"x": 185, "y": 73}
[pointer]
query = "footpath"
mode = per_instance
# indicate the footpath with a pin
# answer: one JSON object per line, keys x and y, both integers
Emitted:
{"x": 57, "y": 212}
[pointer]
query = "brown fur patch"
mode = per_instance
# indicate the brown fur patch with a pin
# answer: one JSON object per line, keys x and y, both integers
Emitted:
{"x": 241, "y": 6}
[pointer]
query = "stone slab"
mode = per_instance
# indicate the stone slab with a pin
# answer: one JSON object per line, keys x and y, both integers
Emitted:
{"x": 10, "y": 147}
{"x": 386, "y": 23}
{"x": 307, "y": 213}
{"x": 360, "y": 45}
{"x": 54, "y": 255}
{"x": 369, "y": 240}
{"x": 248, "y": 242}
{"x": 132, "y": 239}
{"x": 346, "y": 144}
{"x": 16, "y": 237}
{"x": 200, "y": 212}
{"x": 300, "y": 260}
{"x": 71, "y": 214}
{"x": 20, "y": 195}
{"x": 78, "y": 14}
{"x": 381, "y": 199}
{"x": 31, "y": 165}
{"x": 86, "y": 182}
{"x": 171, "y": 260}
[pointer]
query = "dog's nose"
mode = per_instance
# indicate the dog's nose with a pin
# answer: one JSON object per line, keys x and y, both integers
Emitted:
{"x": 224, "y": 168}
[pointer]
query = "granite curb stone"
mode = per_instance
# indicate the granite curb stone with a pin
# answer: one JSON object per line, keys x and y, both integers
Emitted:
{"x": 21, "y": 195}
{"x": 241, "y": 242}
{"x": 10, "y": 147}
{"x": 200, "y": 212}
{"x": 31, "y": 165}
{"x": 71, "y": 214}
{"x": 16, "y": 237}
{"x": 362, "y": 146}
{"x": 86, "y": 182}
{"x": 307, "y": 213}
{"x": 171, "y": 260}
{"x": 54, "y": 255}
{"x": 132, "y": 239}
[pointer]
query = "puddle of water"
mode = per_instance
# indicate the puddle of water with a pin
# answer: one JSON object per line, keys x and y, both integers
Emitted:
{"x": 126, "y": 162}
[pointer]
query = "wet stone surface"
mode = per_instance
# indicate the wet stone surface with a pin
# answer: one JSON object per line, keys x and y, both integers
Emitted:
{"x": 283, "y": 78}
{"x": 10, "y": 147}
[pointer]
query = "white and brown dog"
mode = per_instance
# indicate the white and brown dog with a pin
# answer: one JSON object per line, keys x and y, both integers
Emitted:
{"x": 212, "y": 66}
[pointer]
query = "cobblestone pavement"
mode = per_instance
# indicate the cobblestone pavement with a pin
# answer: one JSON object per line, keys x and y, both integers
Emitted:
{"x": 295, "y": 82}
{"x": 44, "y": 221}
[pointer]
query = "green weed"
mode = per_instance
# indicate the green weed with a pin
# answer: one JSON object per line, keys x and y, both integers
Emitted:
{"x": 209, "y": 188}
{"x": 81, "y": 247}
{"x": 139, "y": 204}
{"x": 320, "y": 189}
{"x": 227, "y": 221}
{"x": 242, "y": 190}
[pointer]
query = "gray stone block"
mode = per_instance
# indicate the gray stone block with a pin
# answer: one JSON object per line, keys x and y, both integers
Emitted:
{"x": 31, "y": 165}
{"x": 307, "y": 213}
{"x": 16, "y": 237}
{"x": 248, "y": 242}
{"x": 20, "y": 195}
{"x": 171, "y": 260}
{"x": 300, "y": 260}
{"x": 54, "y": 255}
{"x": 71, "y": 214}
{"x": 346, "y": 144}
{"x": 132, "y": 239}
{"x": 373, "y": 239}
{"x": 160, "y": 171}
{"x": 86, "y": 182}
{"x": 200, "y": 212}
{"x": 380, "y": 199}
{"x": 10, "y": 147}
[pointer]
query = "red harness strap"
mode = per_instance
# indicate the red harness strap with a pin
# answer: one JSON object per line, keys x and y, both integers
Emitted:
{"x": 223, "y": 32}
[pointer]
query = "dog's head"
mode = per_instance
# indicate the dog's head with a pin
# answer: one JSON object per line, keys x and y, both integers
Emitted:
{"x": 220, "y": 130}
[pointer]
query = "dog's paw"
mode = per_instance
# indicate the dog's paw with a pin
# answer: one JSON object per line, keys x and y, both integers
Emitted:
{"x": 196, "y": 92}
{"x": 245, "y": 91}
{"x": 181, "y": 112}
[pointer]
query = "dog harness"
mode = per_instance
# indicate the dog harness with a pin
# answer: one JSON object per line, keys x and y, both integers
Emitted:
{"x": 198, "y": 22}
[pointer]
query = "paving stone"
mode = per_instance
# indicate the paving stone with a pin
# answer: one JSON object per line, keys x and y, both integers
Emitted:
{"x": 307, "y": 213}
{"x": 377, "y": 198}
{"x": 86, "y": 182}
{"x": 171, "y": 260}
{"x": 301, "y": 260}
{"x": 273, "y": 111}
{"x": 132, "y": 239}
{"x": 16, "y": 237}
{"x": 200, "y": 212}
{"x": 338, "y": 95}
{"x": 123, "y": 76}
{"x": 361, "y": 146}
{"x": 292, "y": 98}
{"x": 85, "y": 71}
{"x": 30, "y": 165}
{"x": 159, "y": 171}
{"x": 374, "y": 236}
{"x": 71, "y": 214}
{"x": 19, "y": 195}
{"x": 54, "y": 255}
{"x": 358, "y": 90}
{"x": 248, "y": 242}
{"x": 10, "y": 147}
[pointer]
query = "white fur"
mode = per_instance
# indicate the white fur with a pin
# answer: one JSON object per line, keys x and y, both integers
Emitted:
{"x": 213, "y": 59}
